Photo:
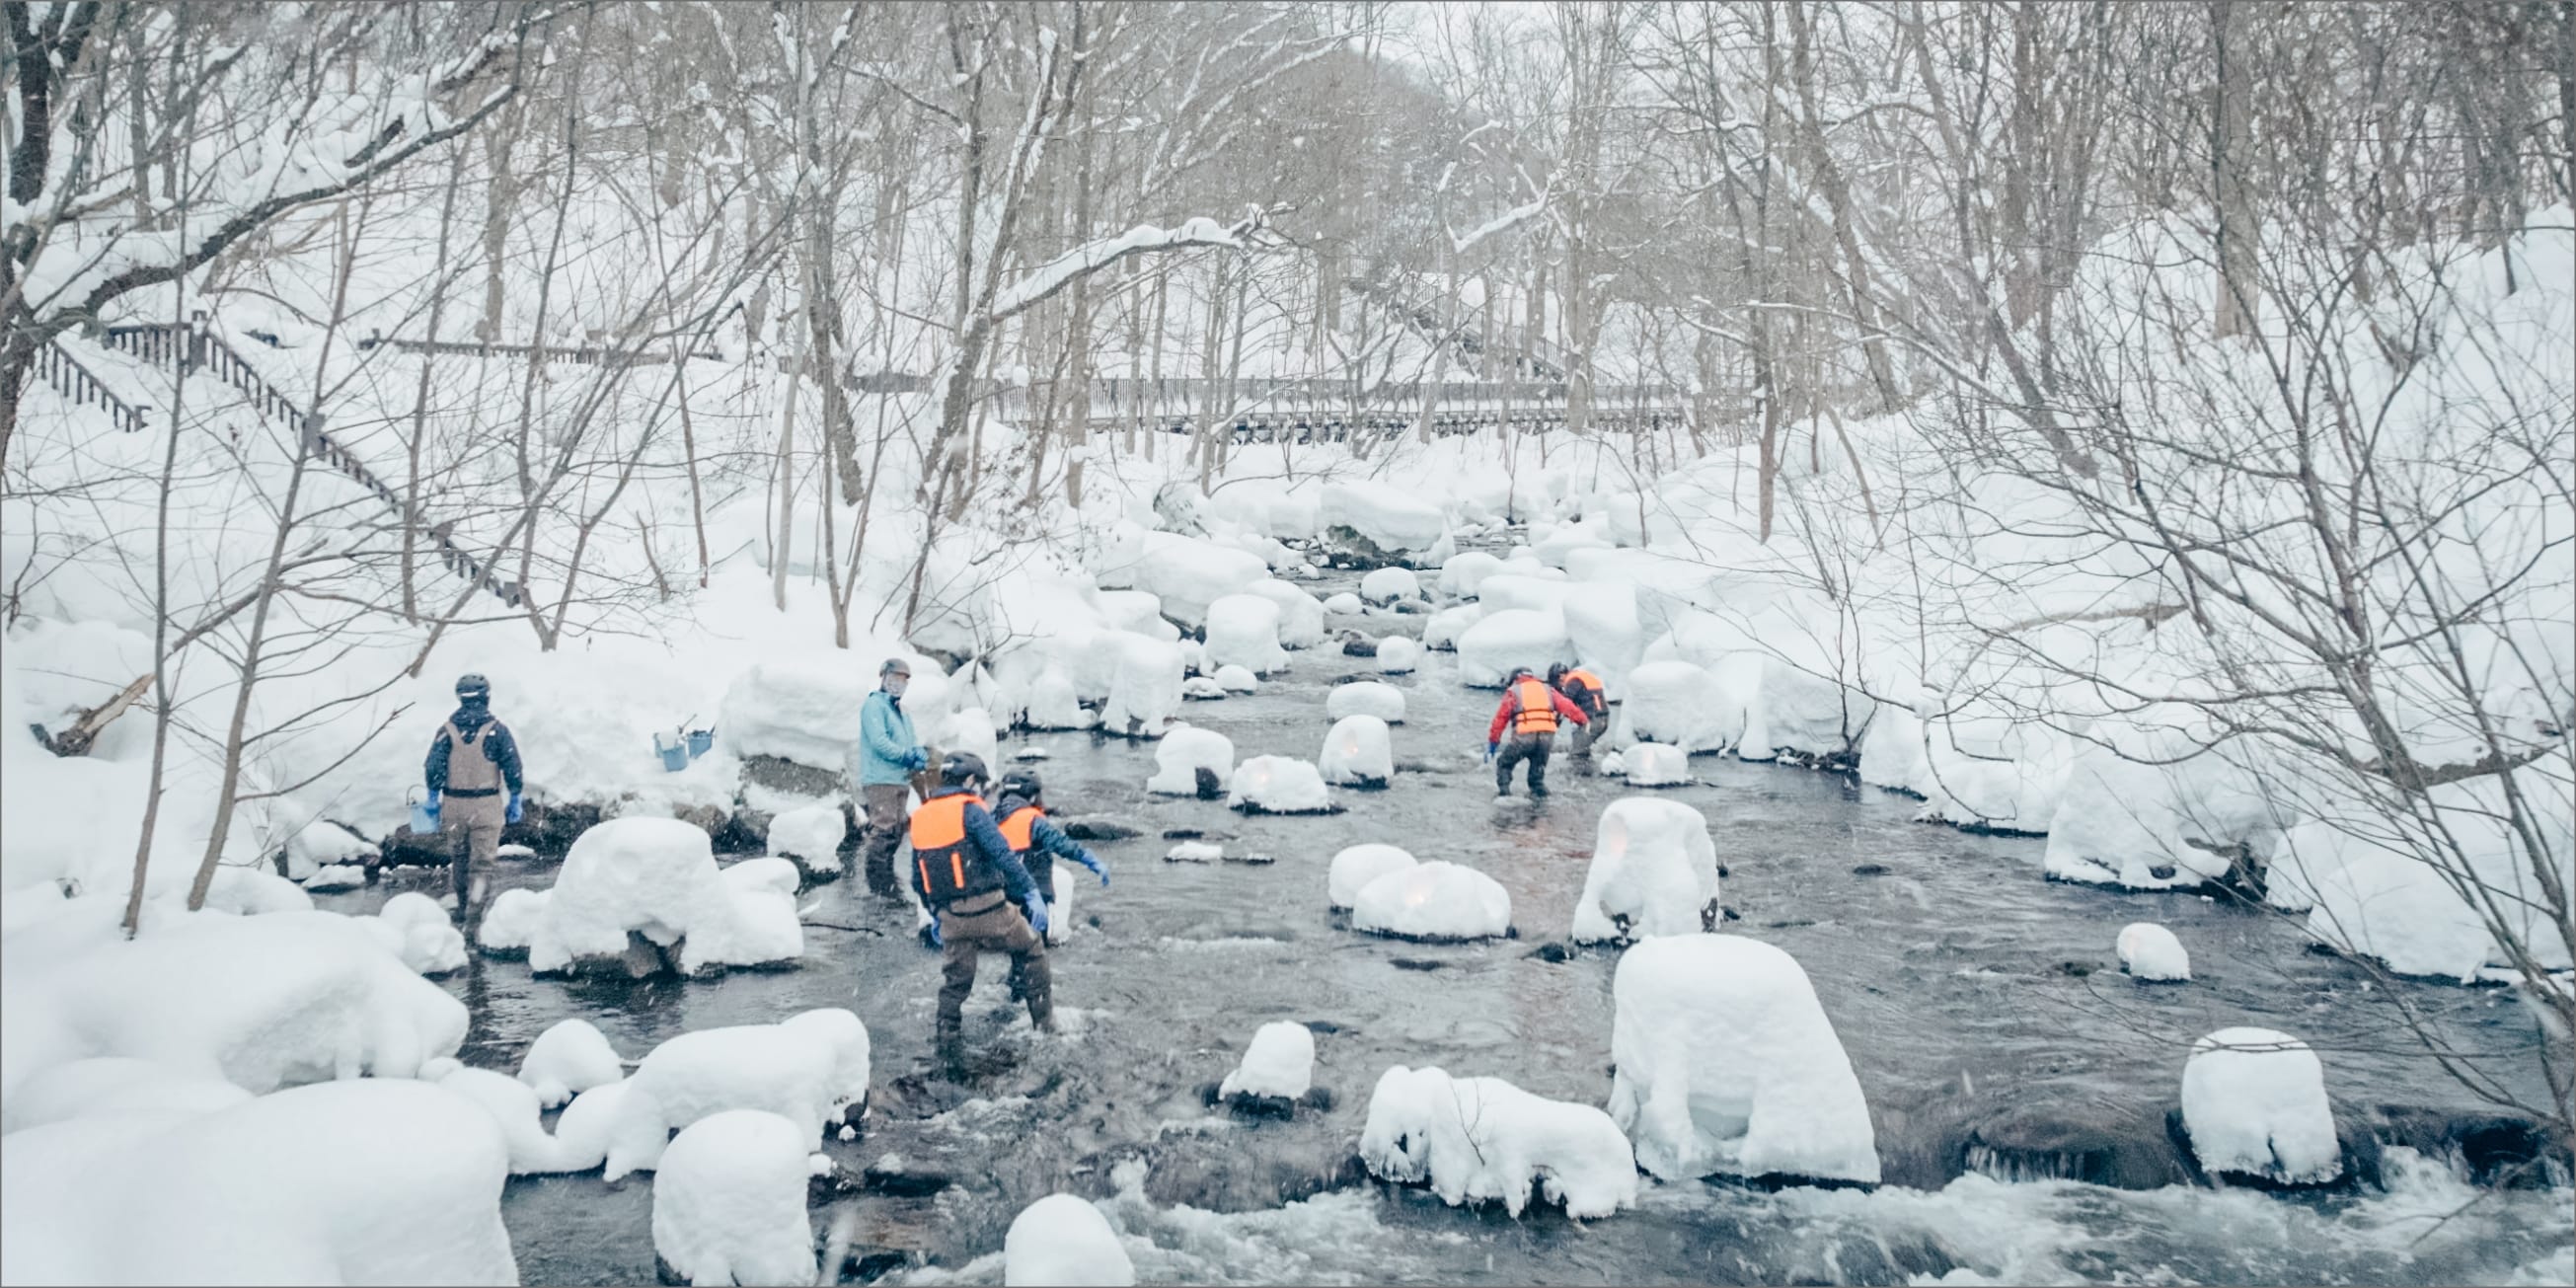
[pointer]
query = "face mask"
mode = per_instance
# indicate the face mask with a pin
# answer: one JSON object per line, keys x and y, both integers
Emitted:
{"x": 894, "y": 684}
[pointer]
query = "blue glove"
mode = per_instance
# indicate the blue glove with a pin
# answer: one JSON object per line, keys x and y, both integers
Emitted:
{"x": 1036, "y": 908}
{"x": 1490, "y": 749}
{"x": 511, "y": 815}
{"x": 916, "y": 759}
{"x": 1100, "y": 869}
{"x": 930, "y": 934}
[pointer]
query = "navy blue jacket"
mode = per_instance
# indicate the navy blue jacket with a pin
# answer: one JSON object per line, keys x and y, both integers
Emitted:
{"x": 1047, "y": 843}
{"x": 498, "y": 744}
{"x": 986, "y": 836}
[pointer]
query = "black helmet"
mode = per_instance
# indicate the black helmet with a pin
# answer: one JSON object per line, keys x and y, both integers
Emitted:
{"x": 472, "y": 687}
{"x": 1555, "y": 672}
{"x": 1022, "y": 783}
{"x": 962, "y": 767}
{"x": 1520, "y": 673}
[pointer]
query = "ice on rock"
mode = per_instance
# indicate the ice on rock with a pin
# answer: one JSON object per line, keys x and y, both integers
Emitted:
{"x": 1434, "y": 900}
{"x": 1680, "y": 704}
{"x": 1301, "y": 615}
{"x": 1062, "y": 1242}
{"x": 1345, "y": 603}
{"x": 1357, "y": 752}
{"x": 335, "y": 878}
{"x": 1517, "y": 637}
{"x": 1145, "y": 692}
{"x": 1237, "y": 679}
{"x": 1365, "y": 698}
{"x": 570, "y": 1057}
{"x": 1726, "y": 1063}
{"x": 1243, "y": 630}
{"x": 1387, "y": 585}
{"x": 1462, "y": 573}
{"x": 1183, "y": 753}
{"x": 423, "y": 935}
{"x": 2150, "y": 952}
{"x": 510, "y": 924}
{"x": 1356, "y": 866}
{"x": 811, "y": 834}
{"x": 1280, "y": 1062}
{"x": 1199, "y": 688}
{"x": 658, "y": 877}
{"x": 1397, "y": 655}
{"x": 2254, "y": 1104}
{"x": 1392, "y": 518}
{"x": 366, "y": 1181}
{"x": 1475, "y": 1140}
{"x": 808, "y": 1068}
{"x": 250, "y": 892}
{"x": 106, "y": 1085}
{"x": 1278, "y": 785}
{"x": 729, "y": 1201}
{"x": 1654, "y": 872}
{"x": 1441, "y": 630}
{"x": 1655, "y": 764}
{"x": 1189, "y": 574}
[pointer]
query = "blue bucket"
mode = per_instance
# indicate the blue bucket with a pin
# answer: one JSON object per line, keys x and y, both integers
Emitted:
{"x": 699, "y": 741}
{"x": 675, "y": 755}
{"x": 423, "y": 823}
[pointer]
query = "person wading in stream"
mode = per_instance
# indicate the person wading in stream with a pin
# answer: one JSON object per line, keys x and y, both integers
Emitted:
{"x": 889, "y": 752}
{"x": 978, "y": 891}
{"x": 1529, "y": 712}
{"x": 1039, "y": 843}
{"x": 1587, "y": 692}
{"x": 470, "y": 761}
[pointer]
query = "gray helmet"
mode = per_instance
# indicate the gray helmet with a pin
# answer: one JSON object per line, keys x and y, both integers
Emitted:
{"x": 1522, "y": 673}
{"x": 471, "y": 686}
{"x": 1022, "y": 783}
{"x": 961, "y": 768}
{"x": 895, "y": 666}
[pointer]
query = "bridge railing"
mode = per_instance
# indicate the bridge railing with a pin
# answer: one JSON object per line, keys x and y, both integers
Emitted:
{"x": 56, "y": 366}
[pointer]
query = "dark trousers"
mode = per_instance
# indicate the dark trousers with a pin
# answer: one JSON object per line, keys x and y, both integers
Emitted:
{"x": 999, "y": 929}
{"x": 884, "y": 803}
{"x": 473, "y": 828}
{"x": 1532, "y": 747}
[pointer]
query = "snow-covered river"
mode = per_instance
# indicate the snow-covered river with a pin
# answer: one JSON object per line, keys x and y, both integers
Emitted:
{"x": 1982, "y": 1008}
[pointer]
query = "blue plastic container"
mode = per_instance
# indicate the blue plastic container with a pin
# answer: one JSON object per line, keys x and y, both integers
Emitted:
{"x": 674, "y": 754}
{"x": 699, "y": 741}
{"x": 423, "y": 823}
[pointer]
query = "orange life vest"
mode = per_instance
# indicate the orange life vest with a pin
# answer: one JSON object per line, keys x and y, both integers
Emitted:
{"x": 1017, "y": 825}
{"x": 950, "y": 867}
{"x": 1591, "y": 700}
{"x": 1537, "y": 707}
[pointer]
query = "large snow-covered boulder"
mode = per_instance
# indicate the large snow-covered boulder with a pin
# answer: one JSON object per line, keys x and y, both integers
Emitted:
{"x": 570, "y": 1057}
{"x": 1441, "y": 630}
{"x": 115, "y": 1084}
{"x": 1189, "y": 574}
{"x": 1237, "y": 679}
{"x": 1052, "y": 700}
{"x": 421, "y": 933}
{"x": 1278, "y": 785}
{"x": 1678, "y": 703}
{"x": 1726, "y": 1063}
{"x": 657, "y": 877}
{"x": 729, "y": 1201}
{"x": 1356, "y": 866}
{"x": 809, "y": 1068}
{"x": 1475, "y": 1140}
{"x": 1463, "y": 572}
{"x": 1434, "y": 900}
{"x": 1529, "y": 589}
{"x": 1184, "y": 755}
{"x": 1515, "y": 637}
{"x": 2385, "y": 886}
{"x": 1393, "y": 519}
{"x": 2254, "y": 1104}
{"x": 1345, "y": 603}
{"x": 1301, "y": 615}
{"x": 1145, "y": 690}
{"x": 510, "y": 924}
{"x": 1387, "y": 585}
{"x": 1243, "y": 630}
{"x": 1062, "y": 1242}
{"x": 1654, "y": 872}
{"x": 365, "y": 1181}
{"x": 249, "y": 892}
{"x": 2150, "y": 952}
{"x": 970, "y": 730}
{"x": 1398, "y": 655}
{"x": 1366, "y": 698}
{"x": 1357, "y": 752}
{"x": 809, "y": 835}
{"x": 808, "y": 712}
{"x": 324, "y": 844}
{"x": 1654, "y": 764}
{"x": 512, "y": 1105}
{"x": 2150, "y": 826}
{"x": 1602, "y": 624}
{"x": 1279, "y": 1063}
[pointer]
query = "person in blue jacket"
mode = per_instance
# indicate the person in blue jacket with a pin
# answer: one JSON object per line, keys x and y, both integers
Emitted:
{"x": 980, "y": 893}
{"x": 474, "y": 782}
{"x": 889, "y": 752}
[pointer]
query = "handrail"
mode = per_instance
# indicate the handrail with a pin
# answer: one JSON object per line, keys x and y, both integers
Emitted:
{"x": 77, "y": 382}
{"x": 581, "y": 354}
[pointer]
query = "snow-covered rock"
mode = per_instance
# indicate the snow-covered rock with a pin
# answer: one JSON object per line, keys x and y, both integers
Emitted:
{"x": 250, "y": 892}
{"x": 1655, "y": 764}
{"x": 1237, "y": 679}
{"x": 1434, "y": 900}
{"x": 658, "y": 878}
{"x": 1062, "y": 1242}
{"x": 1345, "y": 603}
{"x": 729, "y": 1201}
{"x": 1301, "y": 615}
{"x": 1053, "y": 700}
{"x": 1194, "y": 852}
{"x": 1365, "y": 698}
{"x": 1358, "y": 865}
{"x": 324, "y": 844}
{"x": 1516, "y": 637}
{"x": 1725, "y": 1062}
{"x": 1476, "y": 1140}
{"x": 1654, "y": 872}
{"x": 1398, "y": 655}
{"x": 1145, "y": 691}
{"x": 1243, "y": 630}
{"x": 2382, "y": 885}
{"x": 1610, "y": 764}
{"x": 1189, "y": 574}
{"x": 1199, "y": 688}
{"x": 969, "y": 729}
{"x": 1680, "y": 704}
{"x": 808, "y": 712}
{"x": 1387, "y": 585}
{"x": 2254, "y": 1104}
{"x": 1278, "y": 785}
{"x": 1357, "y": 752}
{"x": 422, "y": 934}
{"x": 2152, "y": 826}
{"x": 512, "y": 1105}
{"x": 1441, "y": 630}
{"x": 570, "y": 1057}
{"x": 335, "y": 878}
{"x": 106, "y": 1085}
{"x": 1185, "y": 751}
{"x": 1463, "y": 572}
{"x": 1391, "y": 518}
{"x": 1280, "y": 1062}
{"x": 808, "y": 1068}
{"x": 1525, "y": 589}
{"x": 1602, "y": 623}
{"x": 2149, "y": 951}
{"x": 811, "y": 834}
{"x": 510, "y": 924}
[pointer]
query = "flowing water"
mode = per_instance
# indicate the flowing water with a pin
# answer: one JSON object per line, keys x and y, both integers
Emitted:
{"x": 2001, "y": 1049}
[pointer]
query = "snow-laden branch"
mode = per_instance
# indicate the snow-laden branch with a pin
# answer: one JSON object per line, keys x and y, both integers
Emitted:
{"x": 1499, "y": 224}
{"x": 1091, "y": 257}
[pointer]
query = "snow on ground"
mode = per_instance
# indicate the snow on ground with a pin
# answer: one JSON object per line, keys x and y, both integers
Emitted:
{"x": 1356, "y": 866}
{"x": 657, "y": 877}
{"x": 1655, "y": 764}
{"x": 107, "y": 1085}
{"x": 1434, "y": 900}
{"x": 2254, "y": 1104}
{"x": 1654, "y": 872}
{"x": 1365, "y": 698}
{"x": 570, "y": 1057}
{"x": 1476, "y": 1140}
{"x": 1280, "y": 1062}
{"x": 1357, "y": 752}
{"x": 2150, "y": 952}
{"x": 1061, "y": 1241}
{"x": 1398, "y": 655}
{"x": 807, "y": 1068}
{"x": 729, "y": 1200}
{"x": 1278, "y": 785}
{"x": 1726, "y": 1063}
{"x": 1243, "y": 630}
{"x": 1183, "y": 753}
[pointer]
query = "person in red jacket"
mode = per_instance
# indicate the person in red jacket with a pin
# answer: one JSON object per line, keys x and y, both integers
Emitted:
{"x": 1530, "y": 712}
